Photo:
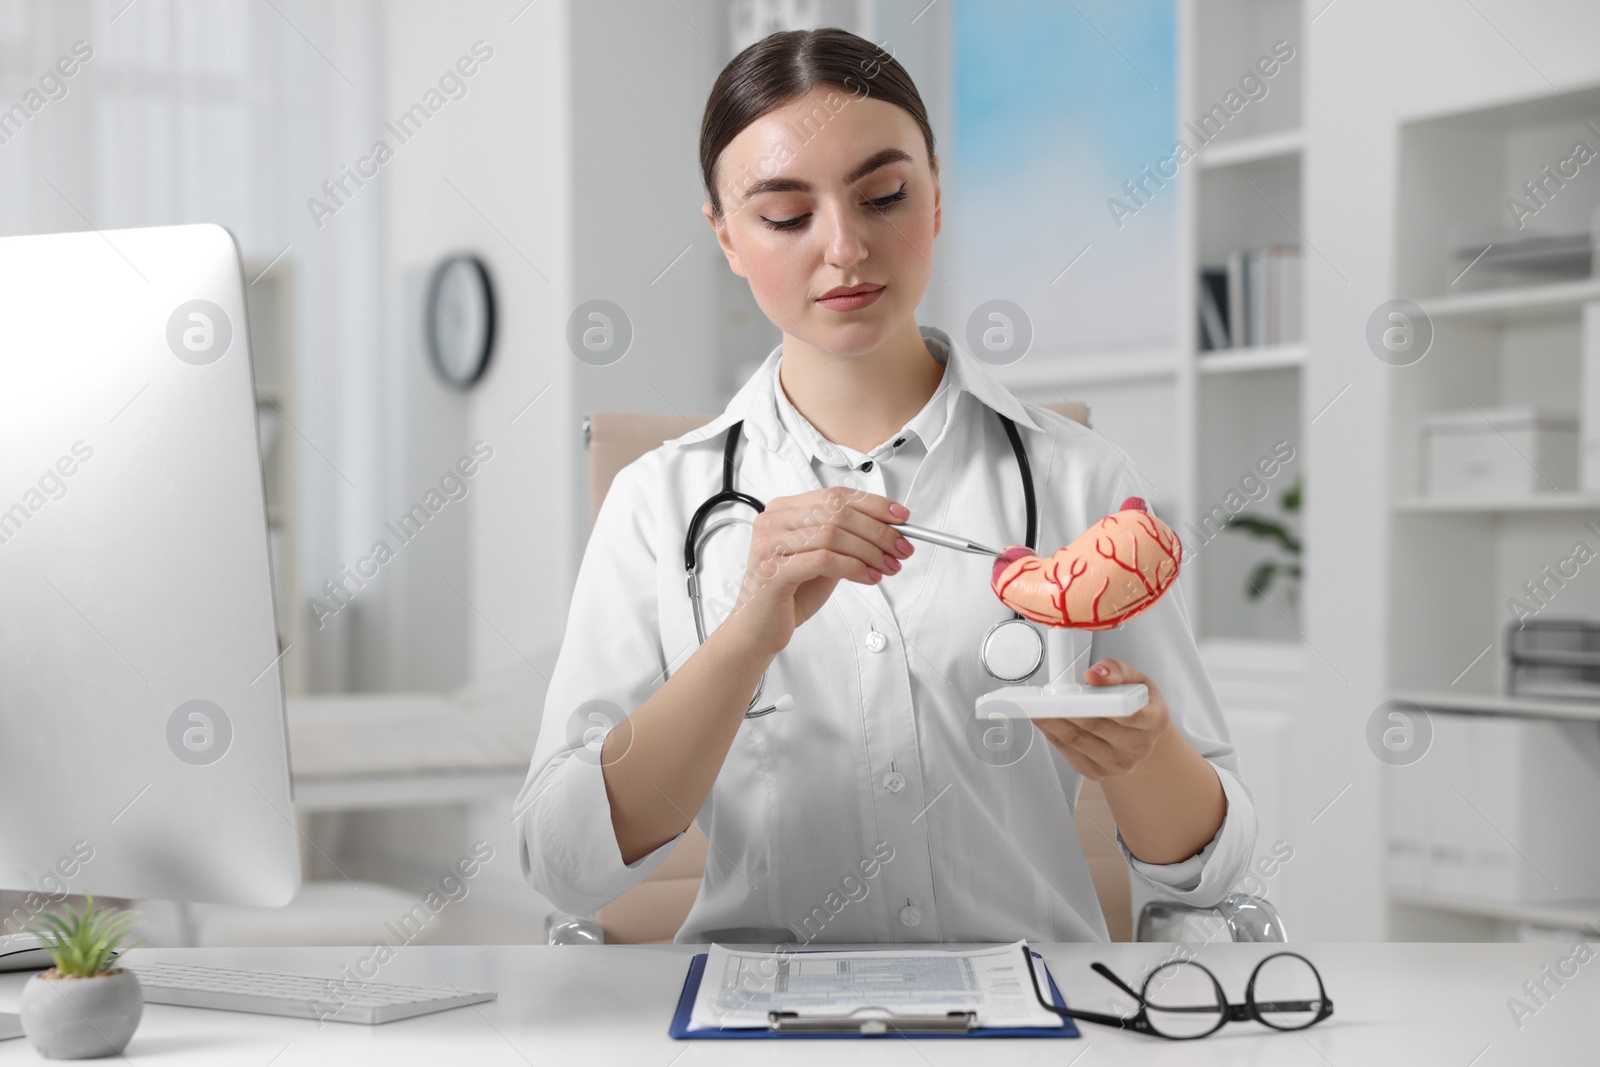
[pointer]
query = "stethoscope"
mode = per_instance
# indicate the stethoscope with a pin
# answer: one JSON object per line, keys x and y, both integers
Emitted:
{"x": 1011, "y": 650}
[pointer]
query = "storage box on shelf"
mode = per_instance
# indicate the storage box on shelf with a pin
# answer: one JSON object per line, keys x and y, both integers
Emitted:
{"x": 1504, "y": 256}
{"x": 1554, "y": 659}
{"x": 1489, "y": 812}
{"x": 1500, "y": 452}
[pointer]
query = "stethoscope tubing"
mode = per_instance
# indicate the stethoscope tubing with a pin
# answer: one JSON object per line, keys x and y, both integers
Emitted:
{"x": 694, "y": 537}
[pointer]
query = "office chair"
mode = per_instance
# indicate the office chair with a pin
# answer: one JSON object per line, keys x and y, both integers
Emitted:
{"x": 653, "y": 910}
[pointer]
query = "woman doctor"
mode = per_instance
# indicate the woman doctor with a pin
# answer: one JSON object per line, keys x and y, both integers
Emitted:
{"x": 873, "y": 805}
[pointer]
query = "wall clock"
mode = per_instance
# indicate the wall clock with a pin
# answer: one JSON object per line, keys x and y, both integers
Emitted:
{"x": 460, "y": 320}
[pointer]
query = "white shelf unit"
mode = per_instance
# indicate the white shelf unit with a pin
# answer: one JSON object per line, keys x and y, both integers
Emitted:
{"x": 1089, "y": 368}
{"x": 1243, "y": 190}
{"x": 1499, "y": 339}
{"x": 1279, "y": 144}
{"x": 269, "y": 303}
{"x": 1537, "y": 502}
{"x": 1260, "y": 357}
{"x": 1495, "y": 916}
{"x": 1222, "y": 411}
{"x": 1513, "y": 707}
{"x": 1513, "y": 304}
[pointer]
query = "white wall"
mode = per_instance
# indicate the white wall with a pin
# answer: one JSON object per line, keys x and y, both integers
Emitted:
{"x": 640, "y": 74}
{"x": 488, "y": 173}
{"x": 571, "y": 167}
{"x": 1369, "y": 63}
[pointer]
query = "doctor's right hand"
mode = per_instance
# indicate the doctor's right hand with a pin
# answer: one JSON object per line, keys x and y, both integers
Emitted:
{"x": 800, "y": 548}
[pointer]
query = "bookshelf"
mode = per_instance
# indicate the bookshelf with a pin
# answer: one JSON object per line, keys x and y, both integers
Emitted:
{"x": 1507, "y": 330}
{"x": 1241, "y": 191}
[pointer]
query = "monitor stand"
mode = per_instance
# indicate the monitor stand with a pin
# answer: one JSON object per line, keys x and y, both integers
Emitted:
{"x": 23, "y": 952}
{"x": 19, "y": 952}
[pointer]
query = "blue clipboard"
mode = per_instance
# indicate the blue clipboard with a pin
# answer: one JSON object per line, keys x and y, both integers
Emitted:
{"x": 697, "y": 968}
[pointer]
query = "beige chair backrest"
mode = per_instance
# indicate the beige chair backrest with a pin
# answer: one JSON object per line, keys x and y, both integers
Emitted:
{"x": 653, "y": 910}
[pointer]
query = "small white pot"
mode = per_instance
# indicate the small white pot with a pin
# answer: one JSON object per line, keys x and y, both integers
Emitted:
{"x": 81, "y": 1018}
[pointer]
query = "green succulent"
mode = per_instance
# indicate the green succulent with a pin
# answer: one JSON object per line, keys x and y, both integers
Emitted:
{"x": 83, "y": 942}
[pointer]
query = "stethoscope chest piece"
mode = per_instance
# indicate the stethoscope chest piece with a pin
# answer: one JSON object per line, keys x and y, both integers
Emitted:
{"x": 1012, "y": 650}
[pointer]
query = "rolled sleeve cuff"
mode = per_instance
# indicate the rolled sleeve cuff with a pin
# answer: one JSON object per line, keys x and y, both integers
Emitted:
{"x": 576, "y": 856}
{"x": 1210, "y": 874}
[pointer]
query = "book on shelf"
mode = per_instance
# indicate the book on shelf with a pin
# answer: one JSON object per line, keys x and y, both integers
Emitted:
{"x": 1214, "y": 309}
{"x": 1254, "y": 300}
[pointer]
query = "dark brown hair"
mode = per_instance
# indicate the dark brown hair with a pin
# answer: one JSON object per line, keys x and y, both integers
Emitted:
{"x": 783, "y": 66}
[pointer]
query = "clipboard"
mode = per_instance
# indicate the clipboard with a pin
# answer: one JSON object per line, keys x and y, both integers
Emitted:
{"x": 954, "y": 1025}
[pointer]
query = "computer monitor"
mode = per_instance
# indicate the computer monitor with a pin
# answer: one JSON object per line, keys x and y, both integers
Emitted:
{"x": 143, "y": 750}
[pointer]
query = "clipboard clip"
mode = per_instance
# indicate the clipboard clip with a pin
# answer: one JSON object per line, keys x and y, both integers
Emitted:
{"x": 792, "y": 1022}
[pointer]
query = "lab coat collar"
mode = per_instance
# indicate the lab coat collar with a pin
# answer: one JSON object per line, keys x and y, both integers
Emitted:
{"x": 924, "y": 427}
{"x": 755, "y": 403}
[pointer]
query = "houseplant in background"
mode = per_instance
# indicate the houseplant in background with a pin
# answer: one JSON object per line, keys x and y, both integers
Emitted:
{"x": 85, "y": 1006}
{"x": 1279, "y": 533}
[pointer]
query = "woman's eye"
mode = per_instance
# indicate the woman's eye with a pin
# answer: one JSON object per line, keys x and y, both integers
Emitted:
{"x": 784, "y": 224}
{"x": 882, "y": 203}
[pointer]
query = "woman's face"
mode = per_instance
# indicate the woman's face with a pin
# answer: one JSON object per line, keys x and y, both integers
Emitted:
{"x": 830, "y": 190}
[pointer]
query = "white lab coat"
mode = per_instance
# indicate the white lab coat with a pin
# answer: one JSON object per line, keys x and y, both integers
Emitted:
{"x": 877, "y": 809}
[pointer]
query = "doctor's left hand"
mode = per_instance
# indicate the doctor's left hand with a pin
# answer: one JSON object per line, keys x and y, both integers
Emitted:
{"x": 1107, "y": 748}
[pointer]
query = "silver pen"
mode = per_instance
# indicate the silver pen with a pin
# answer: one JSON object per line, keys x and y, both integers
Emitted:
{"x": 938, "y": 537}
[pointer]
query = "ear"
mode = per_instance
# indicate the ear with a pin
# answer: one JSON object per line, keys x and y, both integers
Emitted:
{"x": 720, "y": 228}
{"x": 938, "y": 214}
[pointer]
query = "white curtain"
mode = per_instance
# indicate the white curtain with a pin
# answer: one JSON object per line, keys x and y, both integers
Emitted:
{"x": 235, "y": 112}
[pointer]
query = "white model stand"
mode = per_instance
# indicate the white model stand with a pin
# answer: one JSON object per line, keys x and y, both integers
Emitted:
{"x": 1061, "y": 697}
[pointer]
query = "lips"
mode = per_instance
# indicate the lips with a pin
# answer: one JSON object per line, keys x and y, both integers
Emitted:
{"x": 849, "y": 290}
{"x": 851, "y": 297}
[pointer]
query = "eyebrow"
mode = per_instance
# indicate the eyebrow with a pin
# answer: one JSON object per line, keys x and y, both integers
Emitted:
{"x": 881, "y": 158}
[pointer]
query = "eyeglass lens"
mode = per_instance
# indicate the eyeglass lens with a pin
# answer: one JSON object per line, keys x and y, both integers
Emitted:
{"x": 1182, "y": 1000}
{"x": 1287, "y": 992}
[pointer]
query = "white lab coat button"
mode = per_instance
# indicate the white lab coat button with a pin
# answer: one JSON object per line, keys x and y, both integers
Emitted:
{"x": 910, "y": 916}
{"x": 894, "y": 781}
{"x": 876, "y": 642}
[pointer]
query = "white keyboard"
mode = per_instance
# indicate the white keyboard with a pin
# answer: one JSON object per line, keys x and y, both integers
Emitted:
{"x": 300, "y": 996}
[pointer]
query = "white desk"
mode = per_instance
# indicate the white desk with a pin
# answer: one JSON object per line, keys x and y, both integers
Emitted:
{"x": 1409, "y": 1004}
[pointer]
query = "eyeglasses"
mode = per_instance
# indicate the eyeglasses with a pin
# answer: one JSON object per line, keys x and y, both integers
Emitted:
{"x": 1182, "y": 1000}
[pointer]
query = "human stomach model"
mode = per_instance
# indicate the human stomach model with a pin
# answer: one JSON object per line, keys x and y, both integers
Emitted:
{"x": 1119, "y": 568}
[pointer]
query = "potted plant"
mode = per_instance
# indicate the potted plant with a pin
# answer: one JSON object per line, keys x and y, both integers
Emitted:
{"x": 85, "y": 1006}
{"x": 1260, "y": 577}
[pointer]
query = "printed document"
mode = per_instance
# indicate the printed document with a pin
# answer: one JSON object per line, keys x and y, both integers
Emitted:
{"x": 740, "y": 986}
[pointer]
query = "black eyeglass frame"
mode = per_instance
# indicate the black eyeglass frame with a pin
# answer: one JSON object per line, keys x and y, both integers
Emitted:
{"x": 1139, "y": 1022}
